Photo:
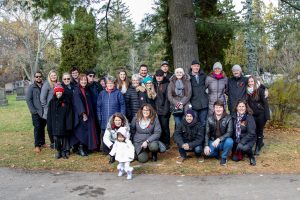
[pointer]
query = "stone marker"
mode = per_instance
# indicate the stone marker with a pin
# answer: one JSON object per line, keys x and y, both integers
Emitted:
{"x": 3, "y": 100}
{"x": 9, "y": 88}
{"x": 21, "y": 92}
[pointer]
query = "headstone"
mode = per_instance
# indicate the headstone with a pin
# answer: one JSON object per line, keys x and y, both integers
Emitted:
{"x": 21, "y": 91}
{"x": 3, "y": 100}
{"x": 9, "y": 88}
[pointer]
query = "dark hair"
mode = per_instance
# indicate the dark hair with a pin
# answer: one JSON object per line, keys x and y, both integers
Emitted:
{"x": 248, "y": 109}
{"x": 90, "y": 71}
{"x": 119, "y": 81}
{"x": 256, "y": 91}
{"x": 139, "y": 114}
{"x": 143, "y": 65}
{"x": 38, "y": 72}
{"x": 219, "y": 103}
{"x": 74, "y": 69}
{"x": 119, "y": 115}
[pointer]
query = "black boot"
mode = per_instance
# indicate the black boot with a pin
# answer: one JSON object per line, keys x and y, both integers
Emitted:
{"x": 154, "y": 156}
{"x": 259, "y": 145}
{"x": 58, "y": 154}
{"x": 81, "y": 151}
{"x": 111, "y": 160}
{"x": 65, "y": 154}
{"x": 251, "y": 158}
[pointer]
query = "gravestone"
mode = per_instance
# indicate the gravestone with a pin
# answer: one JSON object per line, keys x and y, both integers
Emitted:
{"x": 9, "y": 88}
{"x": 21, "y": 92}
{"x": 3, "y": 100}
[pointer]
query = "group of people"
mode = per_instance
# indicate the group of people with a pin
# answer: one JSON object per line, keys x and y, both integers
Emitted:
{"x": 129, "y": 118}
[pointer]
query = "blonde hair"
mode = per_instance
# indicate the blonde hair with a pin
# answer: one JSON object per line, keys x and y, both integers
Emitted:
{"x": 49, "y": 80}
{"x": 179, "y": 70}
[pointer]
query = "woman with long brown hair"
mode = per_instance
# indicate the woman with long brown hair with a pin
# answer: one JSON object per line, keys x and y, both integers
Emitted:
{"x": 146, "y": 131}
{"x": 260, "y": 106}
{"x": 122, "y": 81}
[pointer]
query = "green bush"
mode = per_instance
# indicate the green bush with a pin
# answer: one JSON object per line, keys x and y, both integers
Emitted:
{"x": 284, "y": 102}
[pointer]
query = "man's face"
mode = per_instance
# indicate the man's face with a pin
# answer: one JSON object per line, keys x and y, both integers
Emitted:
{"x": 38, "y": 78}
{"x": 75, "y": 74}
{"x": 236, "y": 73}
{"x": 195, "y": 68}
{"x": 143, "y": 71}
{"x": 90, "y": 78}
{"x": 165, "y": 68}
{"x": 159, "y": 78}
{"x": 218, "y": 110}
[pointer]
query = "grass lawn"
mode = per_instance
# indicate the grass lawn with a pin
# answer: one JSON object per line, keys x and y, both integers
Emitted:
{"x": 281, "y": 153}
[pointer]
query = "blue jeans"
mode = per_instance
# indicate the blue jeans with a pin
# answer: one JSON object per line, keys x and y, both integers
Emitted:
{"x": 202, "y": 116}
{"x": 197, "y": 150}
{"x": 178, "y": 120}
{"x": 224, "y": 146}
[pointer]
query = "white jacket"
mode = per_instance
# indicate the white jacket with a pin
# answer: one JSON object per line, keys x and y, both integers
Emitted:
{"x": 123, "y": 151}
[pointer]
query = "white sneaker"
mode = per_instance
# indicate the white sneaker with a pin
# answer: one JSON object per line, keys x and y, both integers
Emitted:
{"x": 129, "y": 175}
{"x": 121, "y": 172}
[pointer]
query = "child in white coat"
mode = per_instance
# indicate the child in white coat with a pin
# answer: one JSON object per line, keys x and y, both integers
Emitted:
{"x": 123, "y": 150}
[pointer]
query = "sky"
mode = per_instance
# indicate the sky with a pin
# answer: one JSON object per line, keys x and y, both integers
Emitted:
{"x": 139, "y": 8}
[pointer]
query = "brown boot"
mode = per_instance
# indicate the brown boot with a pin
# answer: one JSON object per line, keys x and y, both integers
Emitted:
{"x": 37, "y": 149}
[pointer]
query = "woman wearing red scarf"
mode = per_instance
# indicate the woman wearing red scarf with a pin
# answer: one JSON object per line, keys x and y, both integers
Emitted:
{"x": 109, "y": 102}
{"x": 260, "y": 106}
{"x": 84, "y": 119}
{"x": 216, "y": 84}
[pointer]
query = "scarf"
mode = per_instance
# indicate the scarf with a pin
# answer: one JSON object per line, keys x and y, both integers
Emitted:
{"x": 86, "y": 102}
{"x": 144, "y": 123}
{"x": 109, "y": 90}
{"x": 218, "y": 76}
{"x": 250, "y": 90}
{"x": 238, "y": 126}
{"x": 179, "y": 87}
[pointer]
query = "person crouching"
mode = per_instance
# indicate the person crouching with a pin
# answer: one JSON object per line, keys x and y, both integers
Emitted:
{"x": 60, "y": 121}
{"x": 123, "y": 150}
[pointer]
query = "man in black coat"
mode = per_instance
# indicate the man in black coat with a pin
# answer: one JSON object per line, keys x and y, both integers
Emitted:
{"x": 199, "y": 99}
{"x": 165, "y": 68}
{"x": 36, "y": 110}
{"x": 162, "y": 106}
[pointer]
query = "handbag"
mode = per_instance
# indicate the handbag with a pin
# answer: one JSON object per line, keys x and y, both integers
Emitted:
{"x": 162, "y": 147}
{"x": 177, "y": 111}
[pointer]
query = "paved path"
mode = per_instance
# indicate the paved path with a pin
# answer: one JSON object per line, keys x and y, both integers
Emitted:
{"x": 48, "y": 185}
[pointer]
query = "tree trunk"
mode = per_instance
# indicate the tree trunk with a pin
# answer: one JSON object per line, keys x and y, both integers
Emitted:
{"x": 183, "y": 33}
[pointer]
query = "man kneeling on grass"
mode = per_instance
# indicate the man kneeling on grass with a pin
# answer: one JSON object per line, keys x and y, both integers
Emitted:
{"x": 218, "y": 133}
{"x": 189, "y": 136}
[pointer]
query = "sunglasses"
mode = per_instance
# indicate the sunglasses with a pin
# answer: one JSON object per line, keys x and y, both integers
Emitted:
{"x": 38, "y": 76}
{"x": 67, "y": 79}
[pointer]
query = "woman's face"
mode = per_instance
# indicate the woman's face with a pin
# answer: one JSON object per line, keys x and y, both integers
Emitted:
{"x": 53, "y": 77}
{"x": 91, "y": 78}
{"x": 179, "y": 74}
{"x": 146, "y": 112}
{"x": 149, "y": 85}
{"x": 117, "y": 121}
{"x": 241, "y": 108}
{"x": 83, "y": 82}
{"x": 218, "y": 110}
{"x": 189, "y": 118}
{"x": 251, "y": 82}
{"x": 122, "y": 76}
{"x": 67, "y": 79}
{"x": 110, "y": 85}
{"x": 217, "y": 71}
{"x": 135, "y": 82}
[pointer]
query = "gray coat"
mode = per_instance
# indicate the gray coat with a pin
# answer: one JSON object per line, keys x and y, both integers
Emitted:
{"x": 151, "y": 133}
{"x": 33, "y": 100}
{"x": 46, "y": 95}
{"x": 216, "y": 90}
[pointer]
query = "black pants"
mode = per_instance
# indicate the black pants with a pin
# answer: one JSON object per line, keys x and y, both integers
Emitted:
{"x": 260, "y": 122}
{"x": 165, "y": 129}
{"x": 39, "y": 130}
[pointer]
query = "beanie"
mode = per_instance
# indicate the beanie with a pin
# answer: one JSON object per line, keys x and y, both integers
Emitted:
{"x": 58, "y": 88}
{"x": 236, "y": 68}
{"x": 147, "y": 79}
{"x": 217, "y": 65}
{"x": 191, "y": 112}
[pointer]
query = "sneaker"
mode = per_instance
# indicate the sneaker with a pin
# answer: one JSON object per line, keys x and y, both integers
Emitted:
{"x": 223, "y": 161}
{"x": 129, "y": 175}
{"x": 180, "y": 160}
{"x": 121, "y": 173}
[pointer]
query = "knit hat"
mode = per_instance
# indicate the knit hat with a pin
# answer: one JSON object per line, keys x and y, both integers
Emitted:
{"x": 191, "y": 112}
{"x": 194, "y": 62}
{"x": 217, "y": 65}
{"x": 123, "y": 131}
{"x": 147, "y": 79}
{"x": 159, "y": 73}
{"x": 236, "y": 68}
{"x": 164, "y": 63}
{"x": 58, "y": 88}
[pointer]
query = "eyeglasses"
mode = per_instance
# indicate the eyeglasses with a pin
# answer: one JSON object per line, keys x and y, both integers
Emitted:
{"x": 67, "y": 79}
{"x": 91, "y": 75}
{"x": 146, "y": 110}
{"x": 38, "y": 76}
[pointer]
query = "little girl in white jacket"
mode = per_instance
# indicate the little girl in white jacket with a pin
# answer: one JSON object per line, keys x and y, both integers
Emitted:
{"x": 123, "y": 150}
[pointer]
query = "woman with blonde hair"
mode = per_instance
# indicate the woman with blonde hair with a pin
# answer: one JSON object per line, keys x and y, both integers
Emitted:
{"x": 47, "y": 93}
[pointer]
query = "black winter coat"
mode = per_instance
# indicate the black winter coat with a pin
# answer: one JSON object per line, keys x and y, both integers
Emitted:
{"x": 236, "y": 90}
{"x": 193, "y": 133}
{"x": 162, "y": 103}
{"x": 226, "y": 128}
{"x": 68, "y": 91}
{"x": 132, "y": 102}
{"x": 248, "y": 131}
{"x": 199, "y": 99}
{"x": 259, "y": 105}
{"x": 60, "y": 116}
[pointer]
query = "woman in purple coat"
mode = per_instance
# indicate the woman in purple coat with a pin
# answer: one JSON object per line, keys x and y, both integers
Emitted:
{"x": 84, "y": 119}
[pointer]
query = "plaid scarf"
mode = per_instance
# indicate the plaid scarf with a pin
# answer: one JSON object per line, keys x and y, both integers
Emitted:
{"x": 240, "y": 118}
